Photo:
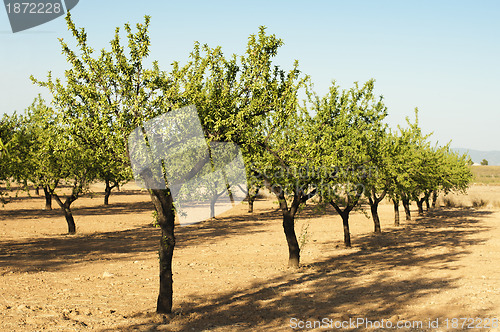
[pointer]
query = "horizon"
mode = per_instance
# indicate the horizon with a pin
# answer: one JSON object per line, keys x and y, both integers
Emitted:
{"x": 439, "y": 57}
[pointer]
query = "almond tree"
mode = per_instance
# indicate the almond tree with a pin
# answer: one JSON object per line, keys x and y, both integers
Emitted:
{"x": 113, "y": 92}
{"x": 52, "y": 157}
{"x": 345, "y": 126}
{"x": 8, "y": 153}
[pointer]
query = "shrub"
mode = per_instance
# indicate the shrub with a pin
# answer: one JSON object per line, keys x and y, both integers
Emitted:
{"x": 449, "y": 202}
{"x": 479, "y": 203}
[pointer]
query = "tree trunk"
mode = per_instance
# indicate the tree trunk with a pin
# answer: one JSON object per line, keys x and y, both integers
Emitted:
{"x": 66, "y": 207}
{"x": 396, "y": 212}
{"x": 163, "y": 203}
{"x": 251, "y": 199}
{"x": 108, "y": 189}
{"x": 48, "y": 199}
{"x": 434, "y": 198}
{"x": 291, "y": 239}
{"x": 37, "y": 191}
{"x": 347, "y": 234}
{"x": 420, "y": 204}
{"x": 425, "y": 200}
{"x": 107, "y": 192}
{"x": 69, "y": 220}
{"x": 406, "y": 206}
{"x": 212, "y": 207}
{"x": 374, "y": 210}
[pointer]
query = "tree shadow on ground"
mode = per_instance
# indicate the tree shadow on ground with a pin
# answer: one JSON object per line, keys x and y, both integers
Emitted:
{"x": 349, "y": 284}
{"x": 101, "y": 209}
{"x": 58, "y": 252}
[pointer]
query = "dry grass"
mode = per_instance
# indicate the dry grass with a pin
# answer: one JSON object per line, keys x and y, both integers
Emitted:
{"x": 486, "y": 174}
{"x": 479, "y": 202}
{"x": 449, "y": 202}
{"x": 477, "y": 196}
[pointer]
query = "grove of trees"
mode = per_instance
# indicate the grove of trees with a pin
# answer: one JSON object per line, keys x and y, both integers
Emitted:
{"x": 336, "y": 148}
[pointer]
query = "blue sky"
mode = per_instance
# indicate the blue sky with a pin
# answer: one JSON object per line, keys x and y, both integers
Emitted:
{"x": 440, "y": 56}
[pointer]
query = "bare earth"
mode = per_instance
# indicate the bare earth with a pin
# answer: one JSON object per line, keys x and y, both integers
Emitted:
{"x": 230, "y": 274}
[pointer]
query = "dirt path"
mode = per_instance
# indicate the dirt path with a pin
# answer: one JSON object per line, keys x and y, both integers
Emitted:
{"x": 229, "y": 273}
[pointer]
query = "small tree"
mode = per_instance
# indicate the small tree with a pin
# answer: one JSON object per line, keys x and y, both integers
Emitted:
{"x": 57, "y": 157}
{"x": 116, "y": 91}
{"x": 484, "y": 162}
{"x": 346, "y": 126}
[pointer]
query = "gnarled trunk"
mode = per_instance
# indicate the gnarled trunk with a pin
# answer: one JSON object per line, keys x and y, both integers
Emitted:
{"x": 68, "y": 214}
{"x": 406, "y": 206}
{"x": 163, "y": 203}
{"x": 374, "y": 202}
{"x": 434, "y": 198}
{"x": 376, "y": 219}
{"x": 291, "y": 239}
{"x": 347, "y": 233}
{"x": 251, "y": 199}
{"x": 212, "y": 207}
{"x": 395, "y": 202}
{"x": 70, "y": 220}
{"x": 250, "y": 204}
{"x": 108, "y": 189}
{"x": 48, "y": 198}
{"x": 420, "y": 204}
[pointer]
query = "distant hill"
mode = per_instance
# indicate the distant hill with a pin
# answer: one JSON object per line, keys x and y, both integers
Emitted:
{"x": 477, "y": 156}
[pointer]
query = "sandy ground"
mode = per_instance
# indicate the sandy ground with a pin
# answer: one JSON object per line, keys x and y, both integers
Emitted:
{"x": 230, "y": 274}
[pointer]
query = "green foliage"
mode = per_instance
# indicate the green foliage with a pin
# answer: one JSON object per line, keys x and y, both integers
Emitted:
{"x": 484, "y": 162}
{"x": 420, "y": 169}
{"x": 346, "y": 130}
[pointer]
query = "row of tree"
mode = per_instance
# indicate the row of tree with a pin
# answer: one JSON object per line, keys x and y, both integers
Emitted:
{"x": 335, "y": 147}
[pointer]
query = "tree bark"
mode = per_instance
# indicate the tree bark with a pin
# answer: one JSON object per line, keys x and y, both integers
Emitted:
{"x": 163, "y": 203}
{"x": 406, "y": 206}
{"x": 70, "y": 220}
{"x": 107, "y": 190}
{"x": 345, "y": 220}
{"x": 374, "y": 201}
{"x": 291, "y": 239}
{"x": 66, "y": 207}
{"x": 425, "y": 199}
{"x": 212, "y": 207}
{"x": 347, "y": 233}
{"x": 376, "y": 219}
{"x": 250, "y": 204}
{"x": 396, "y": 212}
{"x": 37, "y": 191}
{"x": 420, "y": 204}
{"x": 48, "y": 198}
{"x": 434, "y": 198}
{"x": 251, "y": 199}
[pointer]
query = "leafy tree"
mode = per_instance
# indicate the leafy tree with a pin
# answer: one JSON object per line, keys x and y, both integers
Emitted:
{"x": 345, "y": 126}
{"x": 252, "y": 103}
{"x": 406, "y": 168}
{"x": 113, "y": 93}
{"x": 285, "y": 170}
{"x": 484, "y": 162}
{"x": 55, "y": 157}
{"x": 422, "y": 171}
{"x": 233, "y": 100}
{"x": 8, "y": 125}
